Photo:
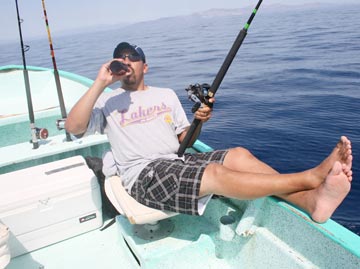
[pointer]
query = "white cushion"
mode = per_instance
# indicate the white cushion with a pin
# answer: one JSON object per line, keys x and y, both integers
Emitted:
{"x": 129, "y": 207}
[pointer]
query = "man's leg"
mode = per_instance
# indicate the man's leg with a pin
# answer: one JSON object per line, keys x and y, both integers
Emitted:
{"x": 240, "y": 159}
{"x": 245, "y": 177}
{"x": 221, "y": 180}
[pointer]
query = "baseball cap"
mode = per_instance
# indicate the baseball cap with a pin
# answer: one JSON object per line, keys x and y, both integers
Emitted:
{"x": 126, "y": 46}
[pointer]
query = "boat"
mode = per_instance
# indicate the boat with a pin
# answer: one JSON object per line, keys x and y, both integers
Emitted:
{"x": 48, "y": 221}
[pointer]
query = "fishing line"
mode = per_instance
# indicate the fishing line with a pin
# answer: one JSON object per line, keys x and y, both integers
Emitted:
{"x": 56, "y": 74}
{"x": 25, "y": 48}
{"x": 202, "y": 93}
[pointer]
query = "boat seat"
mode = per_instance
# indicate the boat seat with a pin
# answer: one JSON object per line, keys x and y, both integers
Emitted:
{"x": 129, "y": 207}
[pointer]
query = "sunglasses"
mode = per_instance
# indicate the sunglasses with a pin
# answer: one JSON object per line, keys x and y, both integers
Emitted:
{"x": 131, "y": 57}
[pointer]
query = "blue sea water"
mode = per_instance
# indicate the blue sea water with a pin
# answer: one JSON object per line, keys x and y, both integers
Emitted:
{"x": 291, "y": 92}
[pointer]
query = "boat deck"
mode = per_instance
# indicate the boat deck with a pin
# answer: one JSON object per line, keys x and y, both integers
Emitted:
{"x": 95, "y": 249}
{"x": 275, "y": 238}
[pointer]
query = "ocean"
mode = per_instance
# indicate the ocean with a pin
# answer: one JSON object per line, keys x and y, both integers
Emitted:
{"x": 291, "y": 92}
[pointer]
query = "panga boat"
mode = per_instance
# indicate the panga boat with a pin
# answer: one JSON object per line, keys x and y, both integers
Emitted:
{"x": 52, "y": 212}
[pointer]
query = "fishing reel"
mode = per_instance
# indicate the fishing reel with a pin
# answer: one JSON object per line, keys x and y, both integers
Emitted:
{"x": 199, "y": 94}
{"x": 38, "y": 134}
{"x": 60, "y": 124}
{"x": 41, "y": 133}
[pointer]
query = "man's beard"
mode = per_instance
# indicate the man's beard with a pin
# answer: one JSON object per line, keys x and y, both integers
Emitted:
{"x": 129, "y": 80}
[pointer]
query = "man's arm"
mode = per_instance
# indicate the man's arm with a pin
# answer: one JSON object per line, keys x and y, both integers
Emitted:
{"x": 79, "y": 116}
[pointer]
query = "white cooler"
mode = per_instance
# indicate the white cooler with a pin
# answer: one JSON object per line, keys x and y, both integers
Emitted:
{"x": 48, "y": 203}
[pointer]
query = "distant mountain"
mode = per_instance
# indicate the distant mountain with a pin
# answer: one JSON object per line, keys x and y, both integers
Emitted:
{"x": 219, "y": 12}
{"x": 215, "y": 12}
{"x": 264, "y": 8}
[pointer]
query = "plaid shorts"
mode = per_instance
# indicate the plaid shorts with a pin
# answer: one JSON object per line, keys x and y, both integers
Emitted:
{"x": 174, "y": 185}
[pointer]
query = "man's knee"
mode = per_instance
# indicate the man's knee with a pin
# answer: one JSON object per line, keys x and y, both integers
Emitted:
{"x": 238, "y": 159}
{"x": 213, "y": 170}
{"x": 240, "y": 152}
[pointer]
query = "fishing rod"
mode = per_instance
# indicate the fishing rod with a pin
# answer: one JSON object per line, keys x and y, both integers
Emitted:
{"x": 25, "y": 48}
{"x": 57, "y": 77}
{"x": 201, "y": 93}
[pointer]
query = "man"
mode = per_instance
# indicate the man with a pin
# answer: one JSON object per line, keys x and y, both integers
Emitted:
{"x": 145, "y": 125}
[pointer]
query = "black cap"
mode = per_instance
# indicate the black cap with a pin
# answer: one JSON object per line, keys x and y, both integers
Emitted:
{"x": 126, "y": 46}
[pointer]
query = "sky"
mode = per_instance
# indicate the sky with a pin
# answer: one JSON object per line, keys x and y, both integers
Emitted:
{"x": 70, "y": 15}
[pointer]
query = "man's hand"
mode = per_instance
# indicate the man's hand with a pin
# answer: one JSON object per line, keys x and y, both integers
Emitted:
{"x": 105, "y": 76}
{"x": 204, "y": 112}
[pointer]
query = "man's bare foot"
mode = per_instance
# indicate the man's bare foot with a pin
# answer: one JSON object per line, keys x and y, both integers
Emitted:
{"x": 341, "y": 153}
{"x": 329, "y": 195}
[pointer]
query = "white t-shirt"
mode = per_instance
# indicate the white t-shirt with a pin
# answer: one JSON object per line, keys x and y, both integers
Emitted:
{"x": 141, "y": 126}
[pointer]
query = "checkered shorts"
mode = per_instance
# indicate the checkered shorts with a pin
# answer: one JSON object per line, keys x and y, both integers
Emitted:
{"x": 174, "y": 185}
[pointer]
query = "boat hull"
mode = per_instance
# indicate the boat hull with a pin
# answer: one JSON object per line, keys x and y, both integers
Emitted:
{"x": 264, "y": 233}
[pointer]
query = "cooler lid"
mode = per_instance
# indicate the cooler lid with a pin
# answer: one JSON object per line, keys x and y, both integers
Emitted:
{"x": 52, "y": 179}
